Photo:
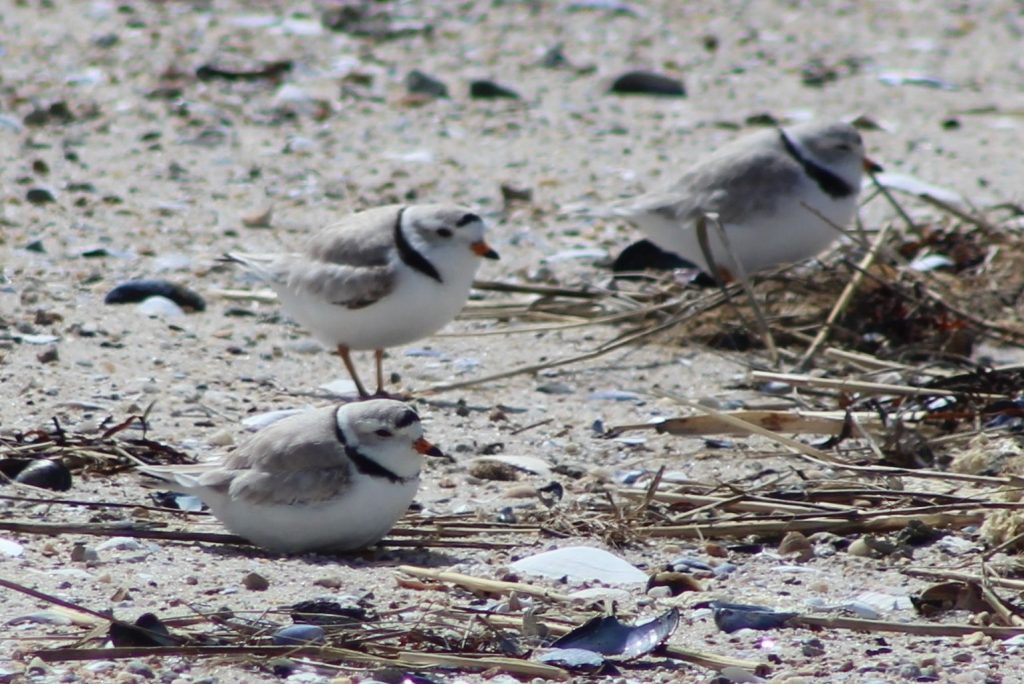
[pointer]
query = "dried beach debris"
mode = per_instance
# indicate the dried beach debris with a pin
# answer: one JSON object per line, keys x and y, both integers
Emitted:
{"x": 328, "y": 611}
{"x": 947, "y": 596}
{"x": 896, "y": 78}
{"x": 300, "y": 634}
{"x": 573, "y": 659}
{"x": 731, "y": 617}
{"x": 528, "y": 464}
{"x": 674, "y": 582}
{"x": 581, "y": 564}
{"x": 609, "y": 636}
{"x": 148, "y": 630}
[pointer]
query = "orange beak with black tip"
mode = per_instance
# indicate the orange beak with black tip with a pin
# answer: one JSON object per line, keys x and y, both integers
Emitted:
{"x": 424, "y": 447}
{"x": 482, "y": 249}
{"x": 872, "y": 167}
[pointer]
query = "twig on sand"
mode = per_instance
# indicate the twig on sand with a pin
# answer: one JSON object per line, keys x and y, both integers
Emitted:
{"x": 844, "y": 298}
{"x": 918, "y": 628}
{"x": 740, "y": 275}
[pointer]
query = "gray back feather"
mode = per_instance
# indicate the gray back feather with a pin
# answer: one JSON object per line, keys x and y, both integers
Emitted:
{"x": 294, "y": 460}
{"x": 722, "y": 183}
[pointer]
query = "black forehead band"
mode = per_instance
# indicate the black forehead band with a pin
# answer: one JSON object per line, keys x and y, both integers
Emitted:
{"x": 407, "y": 418}
{"x": 467, "y": 219}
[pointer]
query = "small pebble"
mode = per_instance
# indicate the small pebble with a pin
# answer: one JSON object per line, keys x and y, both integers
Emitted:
{"x": 859, "y": 547}
{"x": 812, "y": 648}
{"x": 795, "y": 543}
{"x": 260, "y": 218}
{"x": 647, "y": 83}
{"x": 716, "y": 550}
{"x": 523, "y": 491}
{"x": 490, "y": 90}
{"x": 555, "y": 388}
{"x": 664, "y": 584}
{"x": 81, "y": 553}
{"x": 140, "y": 668}
{"x": 221, "y": 438}
{"x": 515, "y": 193}
{"x": 329, "y": 582}
{"x": 10, "y": 548}
{"x": 493, "y": 470}
{"x": 47, "y": 474}
{"x": 40, "y": 196}
{"x": 554, "y": 57}
{"x": 160, "y": 307}
{"x": 255, "y": 582}
{"x": 419, "y": 83}
{"x": 299, "y": 634}
{"x": 135, "y": 291}
{"x": 48, "y": 355}
{"x": 862, "y": 610}
{"x": 106, "y": 40}
{"x": 613, "y": 395}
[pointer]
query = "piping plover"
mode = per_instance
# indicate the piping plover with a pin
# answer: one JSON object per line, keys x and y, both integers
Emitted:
{"x": 778, "y": 194}
{"x": 380, "y": 278}
{"x": 334, "y": 478}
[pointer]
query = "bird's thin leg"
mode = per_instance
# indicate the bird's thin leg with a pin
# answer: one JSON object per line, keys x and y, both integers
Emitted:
{"x": 378, "y": 355}
{"x": 347, "y": 360}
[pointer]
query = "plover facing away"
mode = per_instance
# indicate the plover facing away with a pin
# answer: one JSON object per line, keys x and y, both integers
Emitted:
{"x": 380, "y": 278}
{"x": 779, "y": 196}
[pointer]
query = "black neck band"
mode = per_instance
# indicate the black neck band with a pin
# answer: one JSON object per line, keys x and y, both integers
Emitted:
{"x": 364, "y": 463}
{"x": 831, "y": 184}
{"x": 408, "y": 254}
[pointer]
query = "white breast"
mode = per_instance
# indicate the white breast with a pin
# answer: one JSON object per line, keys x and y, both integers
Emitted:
{"x": 418, "y": 306}
{"x": 359, "y": 517}
{"x": 792, "y": 233}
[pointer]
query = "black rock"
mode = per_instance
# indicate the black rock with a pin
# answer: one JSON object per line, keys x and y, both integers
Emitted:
{"x": 648, "y": 83}
{"x": 643, "y": 255}
{"x": 42, "y": 472}
{"x": 148, "y": 630}
{"x": 254, "y": 72}
{"x": 419, "y": 83}
{"x": 135, "y": 291}
{"x": 489, "y": 90}
{"x": 39, "y": 196}
{"x": 554, "y": 57}
{"x": 179, "y": 501}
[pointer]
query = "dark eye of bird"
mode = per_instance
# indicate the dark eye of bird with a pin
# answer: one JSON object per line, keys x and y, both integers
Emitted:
{"x": 444, "y": 232}
{"x": 383, "y": 433}
{"x": 466, "y": 219}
